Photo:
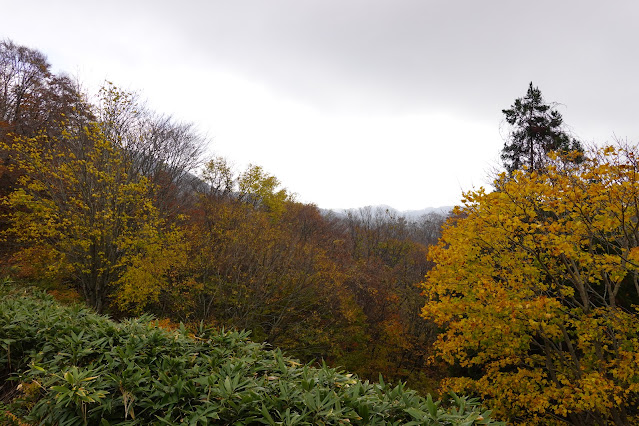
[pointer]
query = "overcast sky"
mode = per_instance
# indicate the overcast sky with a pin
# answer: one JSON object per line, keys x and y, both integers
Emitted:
{"x": 353, "y": 102}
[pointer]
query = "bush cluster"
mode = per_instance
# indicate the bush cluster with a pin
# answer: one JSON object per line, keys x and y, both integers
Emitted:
{"x": 68, "y": 366}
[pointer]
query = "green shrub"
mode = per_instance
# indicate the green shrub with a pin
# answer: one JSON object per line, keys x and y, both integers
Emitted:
{"x": 73, "y": 367}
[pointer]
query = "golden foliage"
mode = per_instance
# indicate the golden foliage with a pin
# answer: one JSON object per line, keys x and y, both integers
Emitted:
{"x": 535, "y": 285}
{"x": 80, "y": 213}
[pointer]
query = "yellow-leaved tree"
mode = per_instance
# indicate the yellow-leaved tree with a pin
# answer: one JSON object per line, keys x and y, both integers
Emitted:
{"x": 260, "y": 189}
{"x": 535, "y": 288}
{"x": 80, "y": 214}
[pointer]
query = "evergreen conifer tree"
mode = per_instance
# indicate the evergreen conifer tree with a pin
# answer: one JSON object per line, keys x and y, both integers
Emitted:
{"x": 536, "y": 130}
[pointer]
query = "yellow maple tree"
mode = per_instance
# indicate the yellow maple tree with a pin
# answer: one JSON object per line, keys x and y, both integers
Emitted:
{"x": 83, "y": 216}
{"x": 535, "y": 287}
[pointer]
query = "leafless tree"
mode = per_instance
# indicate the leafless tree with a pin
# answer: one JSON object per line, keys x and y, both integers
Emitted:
{"x": 158, "y": 146}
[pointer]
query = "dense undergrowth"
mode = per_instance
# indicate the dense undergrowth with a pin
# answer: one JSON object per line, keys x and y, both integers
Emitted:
{"x": 68, "y": 366}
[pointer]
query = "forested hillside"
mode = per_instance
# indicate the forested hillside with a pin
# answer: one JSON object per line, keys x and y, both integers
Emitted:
{"x": 117, "y": 204}
{"x": 530, "y": 290}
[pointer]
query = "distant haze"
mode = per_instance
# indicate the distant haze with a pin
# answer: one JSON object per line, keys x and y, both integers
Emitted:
{"x": 407, "y": 214}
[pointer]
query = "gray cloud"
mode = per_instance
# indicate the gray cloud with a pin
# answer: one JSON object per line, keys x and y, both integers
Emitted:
{"x": 465, "y": 56}
{"x": 460, "y": 55}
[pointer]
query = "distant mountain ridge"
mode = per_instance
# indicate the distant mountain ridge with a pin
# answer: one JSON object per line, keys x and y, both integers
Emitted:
{"x": 443, "y": 210}
{"x": 408, "y": 214}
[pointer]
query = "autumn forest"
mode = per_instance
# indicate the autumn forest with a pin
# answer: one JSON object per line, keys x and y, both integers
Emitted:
{"x": 524, "y": 297}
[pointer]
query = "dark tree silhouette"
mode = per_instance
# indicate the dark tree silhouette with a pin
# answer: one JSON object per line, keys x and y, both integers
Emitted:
{"x": 536, "y": 129}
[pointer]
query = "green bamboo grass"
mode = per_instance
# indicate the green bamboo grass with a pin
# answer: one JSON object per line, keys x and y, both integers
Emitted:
{"x": 69, "y": 366}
